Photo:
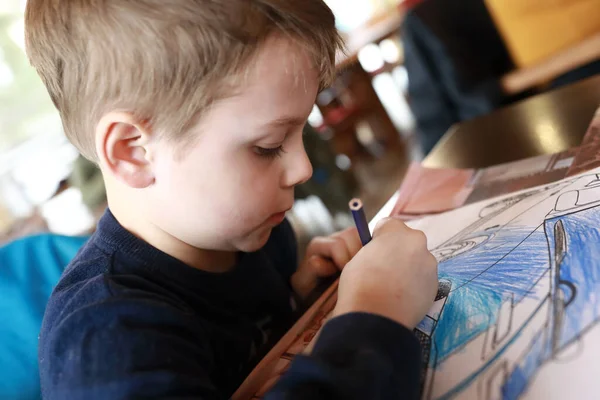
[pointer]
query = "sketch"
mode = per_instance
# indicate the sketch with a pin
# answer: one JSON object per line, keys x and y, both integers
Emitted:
{"x": 519, "y": 292}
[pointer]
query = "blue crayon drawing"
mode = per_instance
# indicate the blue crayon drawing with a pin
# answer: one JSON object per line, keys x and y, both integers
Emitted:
{"x": 517, "y": 286}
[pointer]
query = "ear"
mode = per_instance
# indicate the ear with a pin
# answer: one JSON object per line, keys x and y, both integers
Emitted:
{"x": 122, "y": 145}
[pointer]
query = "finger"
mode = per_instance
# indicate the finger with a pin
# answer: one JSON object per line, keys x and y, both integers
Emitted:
{"x": 339, "y": 253}
{"x": 322, "y": 267}
{"x": 434, "y": 263}
{"x": 331, "y": 247}
{"x": 389, "y": 224}
{"x": 420, "y": 237}
{"x": 352, "y": 240}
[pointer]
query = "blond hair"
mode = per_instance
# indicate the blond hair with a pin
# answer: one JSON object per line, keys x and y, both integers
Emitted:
{"x": 163, "y": 60}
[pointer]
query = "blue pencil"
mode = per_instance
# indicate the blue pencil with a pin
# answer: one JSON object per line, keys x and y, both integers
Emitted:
{"x": 360, "y": 219}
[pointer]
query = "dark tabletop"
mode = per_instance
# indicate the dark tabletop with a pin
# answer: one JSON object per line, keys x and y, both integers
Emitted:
{"x": 547, "y": 123}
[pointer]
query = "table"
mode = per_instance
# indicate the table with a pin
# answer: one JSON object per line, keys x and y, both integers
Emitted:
{"x": 543, "y": 124}
{"x": 546, "y": 123}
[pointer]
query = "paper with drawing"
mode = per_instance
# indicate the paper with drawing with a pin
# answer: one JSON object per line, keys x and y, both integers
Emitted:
{"x": 520, "y": 296}
{"x": 519, "y": 301}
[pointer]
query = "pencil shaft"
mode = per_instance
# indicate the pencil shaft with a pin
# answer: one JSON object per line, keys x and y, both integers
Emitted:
{"x": 360, "y": 219}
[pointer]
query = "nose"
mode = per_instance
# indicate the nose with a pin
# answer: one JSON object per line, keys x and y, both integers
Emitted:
{"x": 298, "y": 168}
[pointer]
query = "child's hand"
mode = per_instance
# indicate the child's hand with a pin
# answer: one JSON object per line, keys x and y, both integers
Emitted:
{"x": 324, "y": 257}
{"x": 394, "y": 276}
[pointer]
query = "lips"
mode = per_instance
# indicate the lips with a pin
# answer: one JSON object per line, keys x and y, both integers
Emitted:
{"x": 278, "y": 217}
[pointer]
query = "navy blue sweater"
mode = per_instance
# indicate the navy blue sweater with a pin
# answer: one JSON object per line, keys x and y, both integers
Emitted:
{"x": 128, "y": 321}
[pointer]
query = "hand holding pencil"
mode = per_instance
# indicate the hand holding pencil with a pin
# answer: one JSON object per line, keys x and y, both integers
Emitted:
{"x": 395, "y": 276}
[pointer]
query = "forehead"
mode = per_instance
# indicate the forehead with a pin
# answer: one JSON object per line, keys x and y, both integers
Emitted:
{"x": 281, "y": 76}
{"x": 282, "y": 58}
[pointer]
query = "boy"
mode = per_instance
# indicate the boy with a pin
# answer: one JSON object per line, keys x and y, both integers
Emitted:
{"x": 193, "y": 110}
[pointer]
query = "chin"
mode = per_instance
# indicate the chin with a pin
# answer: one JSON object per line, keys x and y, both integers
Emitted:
{"x": 255, "y": 241}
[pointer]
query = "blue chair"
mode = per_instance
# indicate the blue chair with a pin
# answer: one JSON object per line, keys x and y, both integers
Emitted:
{"x": 29, "y": 270}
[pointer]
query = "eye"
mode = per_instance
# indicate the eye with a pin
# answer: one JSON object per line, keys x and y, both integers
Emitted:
{"x": 269, "y": 153}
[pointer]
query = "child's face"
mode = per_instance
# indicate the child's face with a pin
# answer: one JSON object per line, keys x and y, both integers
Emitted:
{"x": 237, "y": 179}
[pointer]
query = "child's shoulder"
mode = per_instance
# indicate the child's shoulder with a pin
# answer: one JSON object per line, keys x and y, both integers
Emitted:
{"x": 99, "y": 324}
{"x": 93, "y": 284}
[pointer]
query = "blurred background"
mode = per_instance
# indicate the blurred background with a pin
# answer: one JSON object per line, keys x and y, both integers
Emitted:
{"x": 413, "y": 69}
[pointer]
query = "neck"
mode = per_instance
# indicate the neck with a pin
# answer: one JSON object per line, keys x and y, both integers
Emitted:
{"x": 213, "y": 261}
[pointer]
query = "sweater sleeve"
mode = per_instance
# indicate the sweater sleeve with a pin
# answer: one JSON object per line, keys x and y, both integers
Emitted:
{"x": 357, "y": 356}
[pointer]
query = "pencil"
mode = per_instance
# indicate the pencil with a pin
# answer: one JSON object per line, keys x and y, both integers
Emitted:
{"x": 360, "y": 219}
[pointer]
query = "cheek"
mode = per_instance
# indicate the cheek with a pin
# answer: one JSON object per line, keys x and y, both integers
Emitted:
{"x": 231, "y": 195}
{"x": 245, "y": 190}
{"x": 254, "y": 194}
{"x": 251, "y": 178}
